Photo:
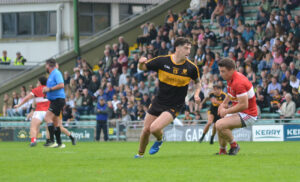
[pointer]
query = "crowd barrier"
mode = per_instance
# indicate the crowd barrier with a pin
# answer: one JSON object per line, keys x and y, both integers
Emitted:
{"x": 85, "y": 131}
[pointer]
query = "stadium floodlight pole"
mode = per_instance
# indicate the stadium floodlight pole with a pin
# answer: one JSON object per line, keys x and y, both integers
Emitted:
{"x": 76, "y": 28}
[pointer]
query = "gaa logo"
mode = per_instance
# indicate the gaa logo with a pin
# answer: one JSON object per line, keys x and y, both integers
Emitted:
{"x": 22, "y": 134}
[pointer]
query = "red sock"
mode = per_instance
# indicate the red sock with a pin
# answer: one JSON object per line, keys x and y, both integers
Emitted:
{"x": 233, "y": 144}
{"x": 222, "y": 151}
{"x": 33, "y": 139}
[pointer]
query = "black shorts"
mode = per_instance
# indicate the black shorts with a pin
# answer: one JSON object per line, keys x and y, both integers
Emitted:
{"x": 214, "y": 111}
{"x": 56, "y": 106}
{"x": 156, "y": 109}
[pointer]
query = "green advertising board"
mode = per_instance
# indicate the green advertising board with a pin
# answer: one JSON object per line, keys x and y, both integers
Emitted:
{"x": 81, "y": 134}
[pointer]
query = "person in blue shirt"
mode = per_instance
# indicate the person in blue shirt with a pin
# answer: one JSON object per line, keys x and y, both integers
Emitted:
{"x": 56, "y": 95}
{"x": 101, "y": 117}
{"x": 248, "y": 33}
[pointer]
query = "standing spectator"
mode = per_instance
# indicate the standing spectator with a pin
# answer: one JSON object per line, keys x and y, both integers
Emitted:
{"x": 123, "y": 76}
{"x": 20, "y": 60}
{"x": 101, "y": 117}
{"x": 288, "y": 108}
{"x": 4, "y": 58}
{"x": 123, "y": 45}
{"x": 274, "y": 85}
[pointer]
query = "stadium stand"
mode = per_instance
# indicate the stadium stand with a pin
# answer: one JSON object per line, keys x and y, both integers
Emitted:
{"x": 262, "y": 39}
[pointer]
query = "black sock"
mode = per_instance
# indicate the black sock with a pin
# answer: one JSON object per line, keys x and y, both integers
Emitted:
{"x": 71, "y": 137}
{"x": 51, "y": 131}
{"x": 57, "y": 135}
{"x": 203, "y": 135}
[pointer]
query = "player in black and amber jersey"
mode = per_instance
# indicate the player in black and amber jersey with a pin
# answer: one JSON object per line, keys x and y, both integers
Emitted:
{"x": 174, "y": 73}
{"x": 216, "y": 98}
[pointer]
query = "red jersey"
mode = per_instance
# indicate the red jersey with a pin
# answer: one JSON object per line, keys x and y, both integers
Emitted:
{"x": 42, "y": 103}
{"x": 239, "y": 86}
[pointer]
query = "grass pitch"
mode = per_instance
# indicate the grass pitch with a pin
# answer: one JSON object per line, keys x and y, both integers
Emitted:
{"x": 113, "y": 161}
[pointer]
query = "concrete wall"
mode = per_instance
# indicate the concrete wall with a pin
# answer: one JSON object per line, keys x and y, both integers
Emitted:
{"x": 93, "y": 50}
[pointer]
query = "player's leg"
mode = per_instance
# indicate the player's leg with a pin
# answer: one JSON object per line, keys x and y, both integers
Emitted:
{"x": 49, "y": 120}
{"x": 214, "y": 131}
{"x": 57, "y": 131}
{"x": 144, "y": 139}
{"x": 66, "y": 132}
{"x": 224, "y": 127}
{"x": 162, "y": 121}
{"x": 156, "y": 129}
{"x": 34, "y": 128}
{"x": 210, "y": 119}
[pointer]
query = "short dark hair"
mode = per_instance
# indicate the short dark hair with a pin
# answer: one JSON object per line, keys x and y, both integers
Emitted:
{"x": 51, "y": 62}
{"x": 180, "y": 41}
{"x": 227, "y": 63}
{"x": 43, "y": 80}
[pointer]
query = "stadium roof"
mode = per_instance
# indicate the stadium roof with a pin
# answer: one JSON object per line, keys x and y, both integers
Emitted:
{"x": 96, "y": 1}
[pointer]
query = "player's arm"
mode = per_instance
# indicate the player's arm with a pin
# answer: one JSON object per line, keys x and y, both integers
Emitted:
{"x": 26, "y": 99}
{"x": 197, "y": 91}
{"x": 142, "y": 64}
{"x": 240, "y": 106}
{"x": 224, "y": 104}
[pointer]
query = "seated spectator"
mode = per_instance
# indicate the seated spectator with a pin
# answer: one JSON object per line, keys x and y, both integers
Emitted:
{"x": 187, "y": 117}
{"x": 142, "y": 88}
{"x": 276, "y": 101}
{"x": 210, "y": 37}
{"x": 115, "y": 102}
{"x": 219, "y": 11}
{"x": 296, "y": 97}
{"x": 5, "y": 104}
{"x": 106, "y": 61}
{"x": 251, "y": 75}
{"x": 285, "y": 86}
{"x": 87, "y": 103}
{"x": 292, "y": 69}
{"x": 115, "y": 51}
{"x": 67, "y": 114}
{"x": 288, "y": 108}
{"x": 294, "y": 82}
{"x": 163, "y": 49}
{"x": 94, "y": 85}
{"x": 261, "y": 100}
{"x": 146, "y": 100}
{"x": 123, "y": 59}
{"x": 5, "y": 59}
{"x": 20, "y": 60}
{"x": 248, "y": 33}
{"x": 273, "y": 86}
{"x": 132, "y": 64}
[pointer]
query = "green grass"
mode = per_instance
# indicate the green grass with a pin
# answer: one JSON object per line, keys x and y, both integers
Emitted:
{"x": 175, "y": 162}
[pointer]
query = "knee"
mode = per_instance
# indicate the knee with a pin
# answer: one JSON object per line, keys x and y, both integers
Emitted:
{"x": 219, "y": 126}
{"x": 146, "y": 131}
{"x": 154, "y": 129}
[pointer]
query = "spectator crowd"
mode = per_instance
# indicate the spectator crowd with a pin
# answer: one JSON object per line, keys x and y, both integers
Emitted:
{"x": 266, "y": 51}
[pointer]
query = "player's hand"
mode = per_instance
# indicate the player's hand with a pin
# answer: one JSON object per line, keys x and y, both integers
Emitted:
{"x": 222, "y": 112}
{"x": 46, "y": 89}
{"x": 197, "y": 99}
{"x": 16, "y": 106}
{"x": 142, "y": 59}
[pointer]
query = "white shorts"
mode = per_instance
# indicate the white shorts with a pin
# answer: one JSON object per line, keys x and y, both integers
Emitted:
{"x": 246, "y": 119}
{"x": 40, "y": 115}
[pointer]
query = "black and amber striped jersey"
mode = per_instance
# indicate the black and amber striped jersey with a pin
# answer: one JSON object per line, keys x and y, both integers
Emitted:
{"x": 220, "y": 98}
{"x": 173, "y": 79}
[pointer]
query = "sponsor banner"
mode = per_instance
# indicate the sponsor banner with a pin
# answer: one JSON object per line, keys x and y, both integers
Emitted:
{"x": 267, "y": 132}
{"x": 193, "y": 133}
{"x": 6, "y": 134}
{"x": 81, "y": 134}
{"x": 291, "y": 132}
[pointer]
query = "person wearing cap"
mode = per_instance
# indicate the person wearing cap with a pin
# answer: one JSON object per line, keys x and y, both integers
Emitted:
{"x": 4, "y": 58}
{"x": 20, "y": 60}
{"x": 101, "y": 117}
{"x": 216, "y": 97}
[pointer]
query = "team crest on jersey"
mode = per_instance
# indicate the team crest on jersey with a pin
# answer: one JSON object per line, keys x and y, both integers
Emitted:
{"x": 184, "y": 71}
{"x": 175, "y": 70}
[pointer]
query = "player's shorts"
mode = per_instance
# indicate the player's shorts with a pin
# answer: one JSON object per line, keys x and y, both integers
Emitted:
{"x": 246, "y": 119}
{"x": 40, "y": 115}
{"x": 214, "y": 111}
{"x": 56, "y": 106}
{"x": 156, "y": 109}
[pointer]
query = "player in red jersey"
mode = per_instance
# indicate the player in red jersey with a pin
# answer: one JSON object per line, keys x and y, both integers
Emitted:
{"x": 242, "y": 113}
{"x": 42, "y": 105}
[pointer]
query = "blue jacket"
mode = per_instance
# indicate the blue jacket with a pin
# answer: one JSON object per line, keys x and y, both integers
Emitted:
{"x": 103, "y": 114}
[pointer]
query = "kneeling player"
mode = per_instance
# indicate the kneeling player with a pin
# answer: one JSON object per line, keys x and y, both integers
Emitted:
{"x": 216, "y": 98}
